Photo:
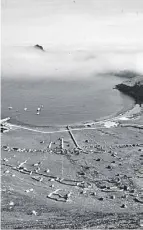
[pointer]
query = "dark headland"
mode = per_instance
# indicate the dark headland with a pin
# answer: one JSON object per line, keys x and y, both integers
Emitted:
{"x": 133, "y": 88}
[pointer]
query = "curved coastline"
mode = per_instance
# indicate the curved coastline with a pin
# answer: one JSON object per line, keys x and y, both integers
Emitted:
{"x": 113, "y": 116}
{"x": 128, "y": 106}
{"x": 122, "y": 111}
{"x": 129, "y": 113}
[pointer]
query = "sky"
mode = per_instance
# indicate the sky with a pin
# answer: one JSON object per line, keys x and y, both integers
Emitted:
{"x": 98, "y": 28}
{"x": 69, "y": 22}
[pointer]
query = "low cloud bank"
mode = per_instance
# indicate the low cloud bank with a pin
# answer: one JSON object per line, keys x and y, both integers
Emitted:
{"x": 30, "y": 63}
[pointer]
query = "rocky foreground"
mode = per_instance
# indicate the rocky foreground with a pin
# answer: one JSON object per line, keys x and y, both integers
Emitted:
{"x": 89, "y": 176}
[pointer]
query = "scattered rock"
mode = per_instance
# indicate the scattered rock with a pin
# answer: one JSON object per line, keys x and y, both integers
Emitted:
{"x": 47, "y": 170}
{"x": 120, "y": 158}
{"x": 109, "y": 167}
{"x": 5, "y": 159}
{"x": 124, "y": 196}
{"x": 37, "y": 170}
{"x": 15, "y": 149}
{"x": 37, "y": 178}
{"x": 113, "y": 162}
{"x": 81, "y": 173}
{"x": 114, "y": 154}
{"x": 37, "y": 164}
{"x": 41, "y": 179}
{"x": 98, "y": 159}
{"x": 55, "y": 195}
{"x": 93, "y": 193}
{"x": 5, "y": 147}
{"x": 29, "y": 190}
{"x": 80, "y": 184}
{"x": 126, "y": 188}
{"x": 123, "y": 206}
{"x": 42, "y": 142}
{"x": 81, "y": 192}
{"x": 101, "y": 198}
{"x": 118, "y": 181}
{"x": 34, "y": 213}
{"x": 52, "y": 186}
{"x": 52, "y": 179}
{"x": 38, "y": 109}
{"x": 86, "y": 167}
{"x": 67, "y": 196}
{"x": 112, "y": 197}
{"x": 103, "y": 187}
{"x": 11, "y": 203}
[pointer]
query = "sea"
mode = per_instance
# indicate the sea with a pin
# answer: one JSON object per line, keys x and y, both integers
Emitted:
{"x": 61, "y": 102}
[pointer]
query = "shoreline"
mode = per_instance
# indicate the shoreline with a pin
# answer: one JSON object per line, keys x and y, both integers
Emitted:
{"x": 80, "y": 109}
{"x": 115, "y": 115}
{"x": 82, "y": 176}
{"x": 135, "y": 111}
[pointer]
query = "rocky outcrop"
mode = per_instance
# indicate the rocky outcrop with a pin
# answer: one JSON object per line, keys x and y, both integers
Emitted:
{"x": 39, "y": 47}
{"x": 133, "y": 88}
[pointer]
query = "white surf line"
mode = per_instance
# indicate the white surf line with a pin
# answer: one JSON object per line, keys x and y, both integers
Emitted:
{"x": 61, "y": 131}
{"x": 66, "y": 130}
{"x": 50, "y": 132}
{"x": 127, "y": 114}
{"x": 114, "y": 119}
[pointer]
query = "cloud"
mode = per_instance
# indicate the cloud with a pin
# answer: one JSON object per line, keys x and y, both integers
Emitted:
{"x": 30, "y": 63}
{"x": 81, "y": 40}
